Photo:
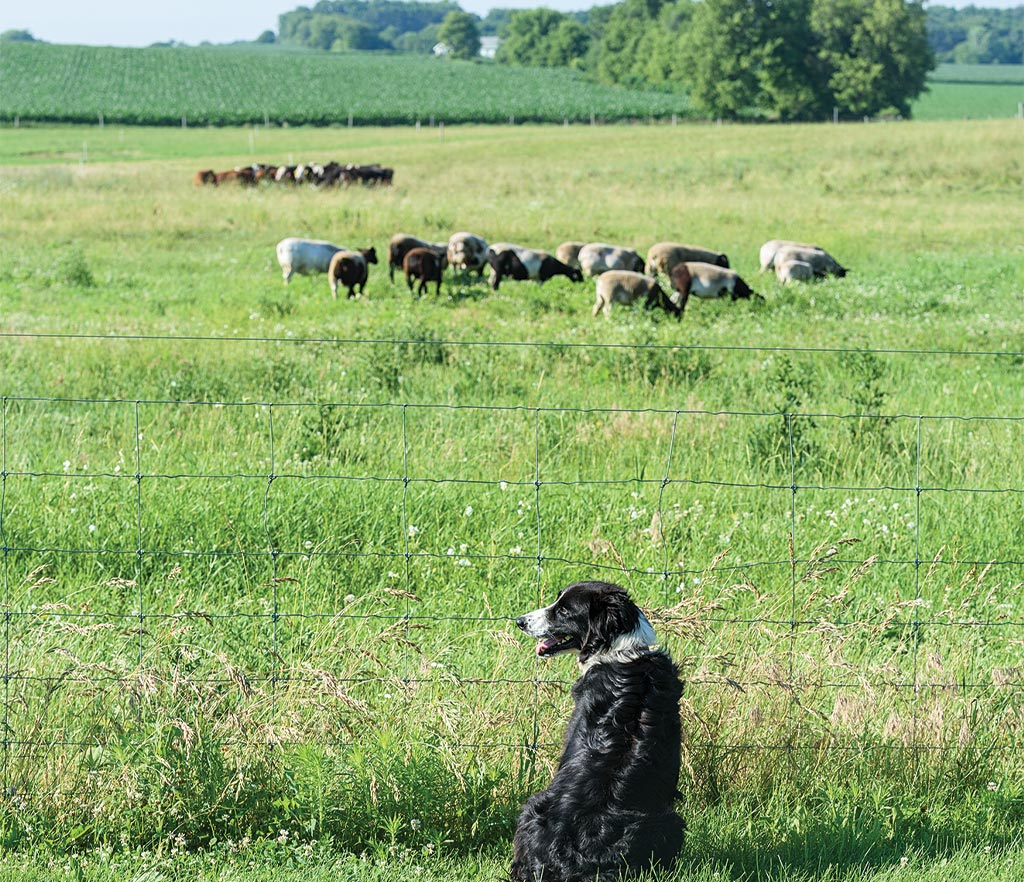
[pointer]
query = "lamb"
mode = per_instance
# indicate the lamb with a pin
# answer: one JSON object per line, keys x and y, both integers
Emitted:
{"x": 793, "y": 271}
{"x": 666, "y": 256}
{"x": 401, "y": 244}
{"x": 426, "y": 265}
{"x": 467, "y": 251}
{"x": 821, "y": 261}
{"x": 306, "y": 256}
{"x": 597, "y": 257}
{"x": 350, "y": 269}
{"x": 707, "y": 281}
{"x": 626, "y": 286}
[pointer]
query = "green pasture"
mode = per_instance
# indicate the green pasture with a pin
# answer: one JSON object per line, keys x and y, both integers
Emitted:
{"x": 261, "y": 549}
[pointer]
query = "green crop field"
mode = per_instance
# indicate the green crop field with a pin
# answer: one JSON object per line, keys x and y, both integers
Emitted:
{"x": 261, "y": 549}
{"x": 972, "y": 91}
{"x": 235, "y": 86}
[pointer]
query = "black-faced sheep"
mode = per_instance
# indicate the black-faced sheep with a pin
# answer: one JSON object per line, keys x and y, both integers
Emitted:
{"x": 597, "y": 257}
{"x": 505, "y": 264}
{"x": 540, "y": 266}
{"x": 426, "y": 265}
{"x": 708, "y": 281}
{"x": 823, "y": 263}
{"x": 794, "y": 271}
{"x": 626, "y": 286}
{"x": 350, "y": 269}
{"x": 771, "y": 249}
{"x": 666, "y": 256}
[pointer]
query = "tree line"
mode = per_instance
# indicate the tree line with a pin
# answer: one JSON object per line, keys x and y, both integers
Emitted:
{"x": 972, "y": 35}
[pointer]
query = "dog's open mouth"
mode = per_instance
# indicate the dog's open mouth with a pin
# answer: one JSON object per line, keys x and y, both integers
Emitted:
{"x": 554, "y": 645}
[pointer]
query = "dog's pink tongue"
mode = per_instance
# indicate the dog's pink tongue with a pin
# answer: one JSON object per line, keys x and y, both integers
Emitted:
{"x": 545, "y": 645}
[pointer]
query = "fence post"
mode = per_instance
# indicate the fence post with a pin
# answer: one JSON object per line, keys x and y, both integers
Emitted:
{"x": 184, "y": 125}
{"x": 835, "y": 114}
{"x": 101, "y": 119}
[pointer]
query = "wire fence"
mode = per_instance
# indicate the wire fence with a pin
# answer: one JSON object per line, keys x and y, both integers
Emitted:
{"x": 446, "y": 521}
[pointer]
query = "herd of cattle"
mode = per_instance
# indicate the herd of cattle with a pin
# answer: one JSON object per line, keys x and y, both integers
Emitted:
{"x": 623, "y": 276}
{"x": 313, "y": 174}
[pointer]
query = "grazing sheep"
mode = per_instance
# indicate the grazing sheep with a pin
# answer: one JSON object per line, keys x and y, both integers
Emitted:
{"x": 666, "y": 256}
{"x": 626, "y": 286}
{"x": 794, "y": 271}
{"x": 426, "y": 265}
{"x": 708, "y": 281}
{"x": 505, "y": 264}
{"x": 597, "y": 257}
{"x": 771, "y": 248}
{"x": 569, "y": 253}
{"x": 540, "y": 266}
{"x": 306, "y": 256}
{"x": 401, "y": 244}
{"x": 821, "y": 261}
{"x": 350, "y": 269}
{"x": 467, "y": 251}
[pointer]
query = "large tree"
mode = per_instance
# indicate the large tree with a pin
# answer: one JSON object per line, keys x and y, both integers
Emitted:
{"x": 460, "y": 34}
{"x": 542, "y": 38}
{"x": 876, "y": 53}
{"x": 798, "y": 59}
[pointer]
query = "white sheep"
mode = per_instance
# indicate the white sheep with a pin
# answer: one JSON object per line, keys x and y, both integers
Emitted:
{"x": 821, "y": 261}
{"x": 598, "y": 257}
{"x": 306, "y": 256}
{"x": 467, "y": 251}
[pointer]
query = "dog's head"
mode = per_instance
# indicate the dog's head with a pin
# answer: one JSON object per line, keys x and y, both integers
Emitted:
{"x": 597, "y": 620}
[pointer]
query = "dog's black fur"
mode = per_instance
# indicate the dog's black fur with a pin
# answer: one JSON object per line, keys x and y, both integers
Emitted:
{"x": 608, "y": 812}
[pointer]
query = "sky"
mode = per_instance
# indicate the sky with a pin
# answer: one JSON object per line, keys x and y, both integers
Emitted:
{"x": 134, "y": 23}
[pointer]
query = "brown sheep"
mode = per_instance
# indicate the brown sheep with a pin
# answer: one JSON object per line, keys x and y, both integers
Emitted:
{"x": 350, "y": 269}
{"x": 426, "y": 265}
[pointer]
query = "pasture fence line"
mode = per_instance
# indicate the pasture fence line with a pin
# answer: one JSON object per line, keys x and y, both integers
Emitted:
{"x": 786, "y": 590}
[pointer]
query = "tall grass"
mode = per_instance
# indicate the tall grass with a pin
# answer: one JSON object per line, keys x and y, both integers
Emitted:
{"x": 259, "y": 563}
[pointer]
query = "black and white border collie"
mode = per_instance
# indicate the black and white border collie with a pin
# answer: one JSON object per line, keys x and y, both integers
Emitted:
{"x": 608, "y": 812}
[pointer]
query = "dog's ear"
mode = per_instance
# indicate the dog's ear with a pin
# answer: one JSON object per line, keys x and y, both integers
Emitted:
{"x": 612, "y": 613}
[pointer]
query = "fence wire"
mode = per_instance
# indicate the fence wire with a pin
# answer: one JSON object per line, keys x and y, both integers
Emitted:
{"x": 38, "y": 544}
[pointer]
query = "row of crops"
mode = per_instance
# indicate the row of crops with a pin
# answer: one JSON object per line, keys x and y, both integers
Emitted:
{"x": 218, "y": 86}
